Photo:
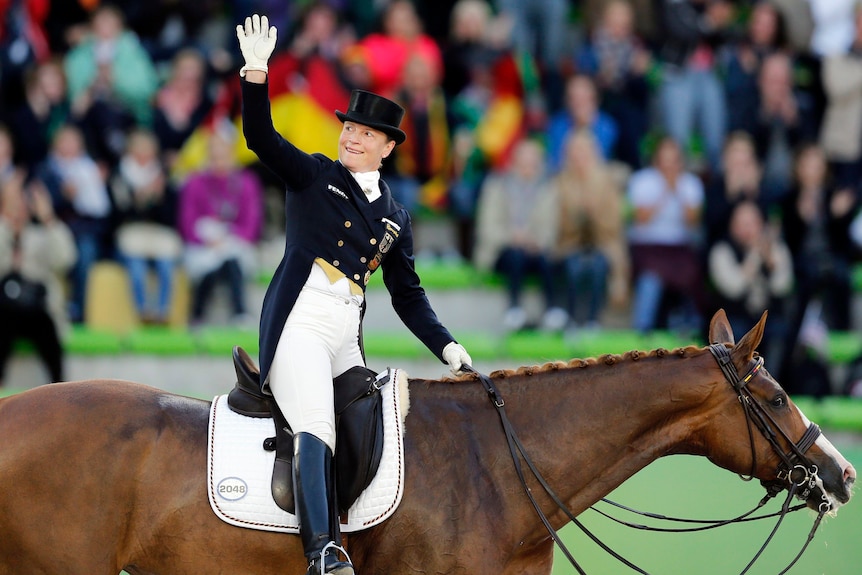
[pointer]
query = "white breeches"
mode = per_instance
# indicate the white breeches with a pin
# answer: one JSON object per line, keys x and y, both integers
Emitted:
{"x": 320, "y": 341}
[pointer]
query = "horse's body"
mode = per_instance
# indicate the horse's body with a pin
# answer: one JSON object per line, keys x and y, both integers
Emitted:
{"x": 100, "y": 476}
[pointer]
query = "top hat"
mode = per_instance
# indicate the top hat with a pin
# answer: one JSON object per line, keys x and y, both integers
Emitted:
{"x": 376, "y": 112}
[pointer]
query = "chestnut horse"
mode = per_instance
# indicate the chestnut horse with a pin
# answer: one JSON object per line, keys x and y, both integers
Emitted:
{"x": 100, "y": 476}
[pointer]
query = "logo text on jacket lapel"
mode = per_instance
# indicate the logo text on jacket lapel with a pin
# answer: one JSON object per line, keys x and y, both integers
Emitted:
{"x": 337, "y": 192}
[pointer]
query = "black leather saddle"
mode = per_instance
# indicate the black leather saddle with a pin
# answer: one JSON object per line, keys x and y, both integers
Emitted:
{"x": 358, "y": 427}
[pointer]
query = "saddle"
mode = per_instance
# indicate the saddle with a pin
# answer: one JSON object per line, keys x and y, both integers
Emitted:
{"x": 358, "y": 429}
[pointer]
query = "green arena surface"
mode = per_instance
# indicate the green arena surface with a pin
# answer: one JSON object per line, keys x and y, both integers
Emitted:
{"x": 691, "y": 487}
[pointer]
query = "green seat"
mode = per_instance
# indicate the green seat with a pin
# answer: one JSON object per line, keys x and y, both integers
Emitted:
{"x": 811, "y": 407}
{"x": 597, "y": 343}
{"x": 482, "y": 346}
{"x": 393, "y": 344}
{"x": 221, "y": 340}
{"x": 444, "y": 275}
{"x": 856, "y": 278}
{"x": 841, "y": 413}
{"x": 537, "y": 347}
{"x": 85, "y": 341}
{"x": 161, "y": 341}
{"x": 843, "y": 346}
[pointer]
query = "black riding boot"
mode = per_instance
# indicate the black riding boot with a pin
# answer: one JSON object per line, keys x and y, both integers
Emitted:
{"x": 314, "y": 491}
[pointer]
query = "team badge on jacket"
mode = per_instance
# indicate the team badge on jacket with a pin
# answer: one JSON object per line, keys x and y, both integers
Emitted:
{"x": 383, "y": 246}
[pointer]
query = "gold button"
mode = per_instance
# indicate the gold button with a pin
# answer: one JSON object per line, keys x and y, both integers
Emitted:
{"x": 373, "y": 241}
{"x": 356, "y": 277}
{"x": 340, "y": 243}
{"x": 335, "y": 263}
{"x": 363, "y": 259}
{"x": 347, "y": 224}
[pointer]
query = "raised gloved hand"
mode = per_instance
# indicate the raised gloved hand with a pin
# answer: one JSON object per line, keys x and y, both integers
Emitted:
{"x": 456, "y": 356}
{"x": 256, "y": 42}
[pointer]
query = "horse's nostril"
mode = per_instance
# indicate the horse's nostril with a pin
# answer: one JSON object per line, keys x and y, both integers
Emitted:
{"x": 849, "y": 475}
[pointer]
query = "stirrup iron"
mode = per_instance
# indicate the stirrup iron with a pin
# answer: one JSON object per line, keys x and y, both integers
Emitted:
{"x": 346, "y": 567}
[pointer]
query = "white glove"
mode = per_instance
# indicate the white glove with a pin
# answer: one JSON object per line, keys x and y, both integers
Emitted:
{"x": 256, "y": 42}
{"x": 455, "y": 355}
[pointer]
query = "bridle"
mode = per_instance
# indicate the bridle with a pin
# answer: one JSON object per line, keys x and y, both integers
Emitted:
{"x": 795, "y": 472}
{"x": 795, "y": 469}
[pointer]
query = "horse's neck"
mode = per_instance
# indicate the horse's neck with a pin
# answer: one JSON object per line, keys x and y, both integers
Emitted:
{"x": 589, "y": 429}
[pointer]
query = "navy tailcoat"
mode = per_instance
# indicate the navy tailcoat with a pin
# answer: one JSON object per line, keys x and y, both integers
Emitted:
{"x": 328, "y": 216}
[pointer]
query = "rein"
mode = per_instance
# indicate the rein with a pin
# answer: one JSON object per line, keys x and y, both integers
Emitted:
{"x": 795, "y": 472}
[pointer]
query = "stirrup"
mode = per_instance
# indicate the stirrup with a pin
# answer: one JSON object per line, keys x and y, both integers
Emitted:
{"x": 339, "y": 568}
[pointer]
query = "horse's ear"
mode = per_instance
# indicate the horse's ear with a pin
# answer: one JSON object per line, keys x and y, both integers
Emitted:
{"x": 719, "y": 329}
{"x": 743, "y": 351}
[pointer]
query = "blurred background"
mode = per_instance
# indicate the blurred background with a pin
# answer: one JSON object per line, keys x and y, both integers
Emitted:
{"x": 584, "y": 177}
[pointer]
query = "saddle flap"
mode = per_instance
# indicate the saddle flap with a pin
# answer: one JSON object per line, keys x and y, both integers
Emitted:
{"x": 359, "y": 431}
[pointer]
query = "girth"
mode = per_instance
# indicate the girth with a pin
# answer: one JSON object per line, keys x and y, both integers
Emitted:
{"x": 358, "y": 428}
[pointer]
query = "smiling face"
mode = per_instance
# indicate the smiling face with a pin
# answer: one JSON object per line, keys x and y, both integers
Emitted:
{"x": 361, "y": 148}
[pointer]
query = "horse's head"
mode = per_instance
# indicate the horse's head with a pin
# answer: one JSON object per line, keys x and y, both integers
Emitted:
{"x": 785, "y": 449}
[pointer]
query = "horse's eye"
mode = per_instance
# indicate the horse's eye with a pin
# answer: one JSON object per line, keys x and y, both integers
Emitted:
{"x": 779, "y": 400}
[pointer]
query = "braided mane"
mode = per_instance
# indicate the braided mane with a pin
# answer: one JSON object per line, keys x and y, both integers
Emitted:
{"x": 578, "y": 363}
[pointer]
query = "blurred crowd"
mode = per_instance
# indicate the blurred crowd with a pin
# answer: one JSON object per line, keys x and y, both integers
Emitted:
{"x": 659, "y": 157}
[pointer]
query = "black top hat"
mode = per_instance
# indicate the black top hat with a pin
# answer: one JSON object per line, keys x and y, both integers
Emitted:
{"x": 376, "y": 112}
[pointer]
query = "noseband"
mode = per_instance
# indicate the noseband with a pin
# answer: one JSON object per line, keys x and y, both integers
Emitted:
{"x": 795, "y": 469}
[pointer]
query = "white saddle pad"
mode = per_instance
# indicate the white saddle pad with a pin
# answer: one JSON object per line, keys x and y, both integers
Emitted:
{"x": 240, "y": 470}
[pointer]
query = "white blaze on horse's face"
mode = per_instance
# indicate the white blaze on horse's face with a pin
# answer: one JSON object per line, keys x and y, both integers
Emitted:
{"x": 849, "y": 472}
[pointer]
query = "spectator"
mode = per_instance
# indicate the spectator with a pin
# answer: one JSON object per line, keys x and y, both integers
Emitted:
{"x": 466, "y": 46}
{"x": 780, "y": 127}
{"x": 81, "y": 199}
{"x": 146, "y": 236}
{"x": 389, "y": 51}
{"x": 582, "y": 111}
{"x": 45, "y": 108}
{"x": 751, "y": 270}
{"x": 740, "y": 180}
{"x": 540, "y": 29}
{"x": 418, "y": 167}
{"x": 741, "y": 60}
{"x": 667, "y": 202}
{"x": 112, "y": 82}
{"x": 181, "y": 104}
{"x": 799, "y": 23}
{"x": 590, "y": 243}
{"x": 833, "y": 30}
{"x": 618, "y": 61}
{"x": 8, "y": 169}
{"x": 321, "y": 32}
{"x": 220, "y": 217}
{"x": 691, "y": 92}
{"x": 489, "y": 117}
{"x": 36, "y": 249}
{"x": 593, "y": 11}
{"x": 23, "y": 44}
{"x": 66, "y": 23}
{"x": 816, "y": 218}
{"x": 513, "y": 235}
{"x": 841, "y": 131}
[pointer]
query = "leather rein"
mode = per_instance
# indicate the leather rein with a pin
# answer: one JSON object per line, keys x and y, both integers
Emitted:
{"x": 796, "y": 472}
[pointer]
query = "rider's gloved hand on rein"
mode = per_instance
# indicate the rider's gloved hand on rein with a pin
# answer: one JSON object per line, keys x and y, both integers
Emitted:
{"x": 455, "y": 355}
{"x": 256, "y": 42}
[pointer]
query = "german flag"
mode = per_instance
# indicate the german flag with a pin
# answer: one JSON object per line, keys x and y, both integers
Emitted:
{"x": 304, "y": 95}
